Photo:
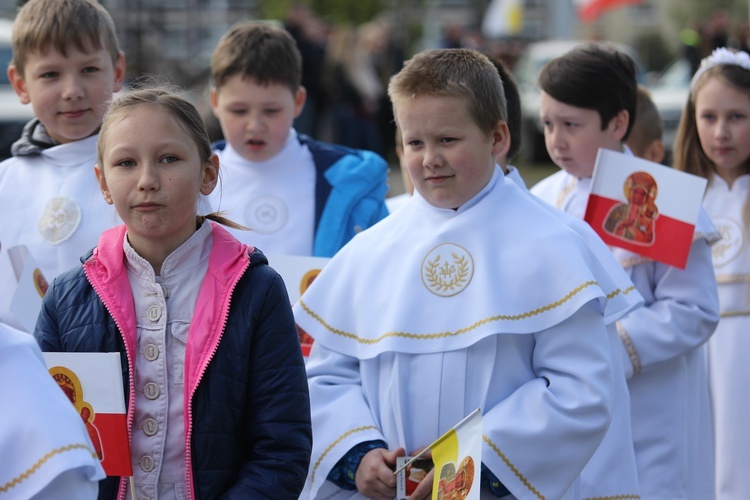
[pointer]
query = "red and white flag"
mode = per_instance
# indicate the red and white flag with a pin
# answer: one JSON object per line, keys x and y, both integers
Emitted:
{"x": 644, "y": 207}
{"x": 591, "y": 10}
{"x": 93, "y": 383}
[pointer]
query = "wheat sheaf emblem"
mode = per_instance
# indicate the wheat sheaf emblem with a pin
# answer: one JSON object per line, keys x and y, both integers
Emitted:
{"x": 450, "y": 275}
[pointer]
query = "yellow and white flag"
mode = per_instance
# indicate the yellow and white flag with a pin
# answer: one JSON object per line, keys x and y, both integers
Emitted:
{"x": 457, "y": 456}
{"x": 503, "y": 18}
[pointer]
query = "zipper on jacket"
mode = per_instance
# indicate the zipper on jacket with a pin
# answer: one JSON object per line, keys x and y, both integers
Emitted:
{"x": 189, "y": 430}
{"x": 122, "y": 488}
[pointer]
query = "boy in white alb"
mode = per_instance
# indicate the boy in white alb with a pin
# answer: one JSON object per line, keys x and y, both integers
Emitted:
{"x": 299, "y": 196}
{"x": 612, "y": 471}
{"x": 588, "y": 102}
{"x": 452, "y": 304}
{"x": 50, "y": 205}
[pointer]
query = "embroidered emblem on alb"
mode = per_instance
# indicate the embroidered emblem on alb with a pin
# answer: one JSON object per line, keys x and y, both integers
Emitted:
{"x": 447, "y": 270}
{"x": 732, "y": 239}
{"x": 266, "y": 214}
{"x": 60, "y": 219}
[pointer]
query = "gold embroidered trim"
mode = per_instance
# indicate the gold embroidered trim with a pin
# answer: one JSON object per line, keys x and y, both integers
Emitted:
{"x": 733, "y": 314}
{"x": 512, "y": 467}
{"x": 460, "y": 331}
{"x": 635, "y": 360}
{"x": 24, "y": 476}
{"x": 616, "y": 497}
{"x": 617, "y": 292}
{"x": 331, "y": 446}
{"x": 723, "y": 279}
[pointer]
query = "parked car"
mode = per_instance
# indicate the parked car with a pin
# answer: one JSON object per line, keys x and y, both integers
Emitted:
{"x": 669, "y": 91}
{"x": 527, "y": 71}
{"x": 13, "y": 114}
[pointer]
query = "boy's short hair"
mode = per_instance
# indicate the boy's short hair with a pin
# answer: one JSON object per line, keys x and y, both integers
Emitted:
{"x": 60, "y": 24}
{"x": 647, "y": 126}
{"x": 594, "y": 75}
{"x": 259, "y": 50}
{"x": 461, "y": 73}
{"x": 512, "y": 106}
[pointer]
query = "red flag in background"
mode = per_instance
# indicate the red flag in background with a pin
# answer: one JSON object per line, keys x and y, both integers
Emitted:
{"x": 93, "y": 383}
{"x": 590, "y": 10}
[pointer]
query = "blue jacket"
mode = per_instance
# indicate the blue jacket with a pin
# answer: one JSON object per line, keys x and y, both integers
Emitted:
{"x": 247, "y": 414}
{"x": 350, "y": 189}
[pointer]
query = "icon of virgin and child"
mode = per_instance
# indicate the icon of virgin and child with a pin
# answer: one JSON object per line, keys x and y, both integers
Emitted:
{"x": 634, "y": 221}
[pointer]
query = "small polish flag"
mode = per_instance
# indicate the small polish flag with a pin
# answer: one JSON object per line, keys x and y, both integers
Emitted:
{"x": 644, "y": 207}
{"x": 93, "y": 383}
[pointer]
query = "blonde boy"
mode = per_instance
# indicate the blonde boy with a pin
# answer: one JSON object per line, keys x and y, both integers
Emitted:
{"x": 66, "y": 65}
{"x": 452, "y": 303}
{"x": 588, "y": 102}
{"x": 298, "y": 195}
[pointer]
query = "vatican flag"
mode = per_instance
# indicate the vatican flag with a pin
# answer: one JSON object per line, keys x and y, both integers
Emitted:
{"x": 457, "y": 456}
{"x": 503, "y": 18}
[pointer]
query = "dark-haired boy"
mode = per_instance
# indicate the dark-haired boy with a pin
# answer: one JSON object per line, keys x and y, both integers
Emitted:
{"x": 588, "y": 102}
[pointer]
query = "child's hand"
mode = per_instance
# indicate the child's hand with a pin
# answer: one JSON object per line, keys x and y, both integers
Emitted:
{"x": 424, "y": 488}
{"x": 375, "y": 477}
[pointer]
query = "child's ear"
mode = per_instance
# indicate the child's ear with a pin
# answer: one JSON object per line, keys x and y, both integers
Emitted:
{"x": 103, "y": 185}
{"x": 119, "y": 72}
{"x": 620, "y": 125}
{"x": 18, "y": 84}
{"x": 500, "y": 139}
{"x": 210, "y": 175}
{"x": 300, "y": 96}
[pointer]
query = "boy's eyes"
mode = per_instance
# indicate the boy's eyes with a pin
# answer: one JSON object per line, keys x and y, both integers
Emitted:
{"x": 50, "y": 74}
{"x": 90, "y": 69}
{"x": 125, "y": 163}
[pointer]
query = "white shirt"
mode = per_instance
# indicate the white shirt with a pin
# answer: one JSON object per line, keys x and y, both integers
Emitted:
{"x": 274, "y": 198}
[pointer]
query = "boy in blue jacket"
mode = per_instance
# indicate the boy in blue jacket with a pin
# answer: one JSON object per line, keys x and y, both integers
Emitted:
{"x": 298, "y": 195}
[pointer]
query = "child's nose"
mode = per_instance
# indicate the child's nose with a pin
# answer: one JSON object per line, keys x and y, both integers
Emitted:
{"x": 254, "y": 123}
{"x": 72, "y": 88}
{"x": 432, "y": 157}
{"x": 148, "y": 180}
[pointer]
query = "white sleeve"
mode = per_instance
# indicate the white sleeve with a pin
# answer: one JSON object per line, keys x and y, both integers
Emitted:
{"x": 680, "y": 314}
{"x": 540, "y": 437}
